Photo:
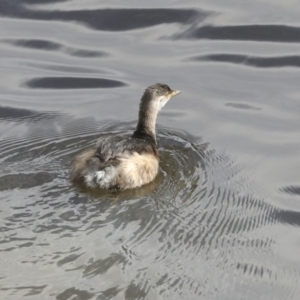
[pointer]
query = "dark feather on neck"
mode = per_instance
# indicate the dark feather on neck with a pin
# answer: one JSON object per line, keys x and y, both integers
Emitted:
{"x": 145, "y": 136}
{"x": 147, "y": 118}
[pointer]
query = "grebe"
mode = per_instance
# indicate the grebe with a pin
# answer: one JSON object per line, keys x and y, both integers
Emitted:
{"x": 124, "y": 162}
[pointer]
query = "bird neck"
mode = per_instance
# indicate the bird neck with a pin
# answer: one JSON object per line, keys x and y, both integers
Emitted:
{"x": 147, "y": 119}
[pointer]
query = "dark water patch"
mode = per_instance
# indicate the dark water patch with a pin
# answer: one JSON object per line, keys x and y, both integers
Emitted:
{"x": 260, "y": 33}
{"x": 86, "y": 53}
{"x": 105, "y": 19}
{"x": 13, "y": 114}
{"x": 136, "y": 291}
{"x": 242, "y": 106}
{"x": 28, "y": 290}
{"x": 51, "y": 46}
{"x": 289, "y": 217}
{"x": 95, "y": 268}
{"x": 37, "y": 44}
{"x": 24, "y": 181}
{"x": 73, "y": 293}
{"x": 68, "y": 259}
{"x": 73, "y": 83}
{"x": 259, "y": 62}
{"x": 110, "y": 293}
{"x": 292, "y": 190}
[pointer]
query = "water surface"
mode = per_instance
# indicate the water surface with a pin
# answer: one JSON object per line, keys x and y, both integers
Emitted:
{"x": 222, "y": 218}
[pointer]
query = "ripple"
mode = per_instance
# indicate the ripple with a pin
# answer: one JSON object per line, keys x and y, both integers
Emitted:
{"x": 242, "y": 106}
{"x": 105, "y": 19}
{"x": 193, "y": 213}
{"x": 24, "y": 181}
{"x": 73, "y": 83}
{"x": 259, "y": 62}
{"x": 51, "y": 46}
{"x": 73, "y": 292}
{"x": 260, "y": 33}
{"x": 182, "y": 169}
{"x": 36, "y": 44}
{"x": 101, "y": 266}
{"x": 292, "y": 190}
{"x": 221, "y": 218}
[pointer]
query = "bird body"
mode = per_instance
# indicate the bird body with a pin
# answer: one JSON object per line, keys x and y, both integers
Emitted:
{"x": 123, "y": 162}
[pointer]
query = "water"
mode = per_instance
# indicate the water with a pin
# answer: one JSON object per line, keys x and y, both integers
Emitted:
{"x": 221, "y": 220}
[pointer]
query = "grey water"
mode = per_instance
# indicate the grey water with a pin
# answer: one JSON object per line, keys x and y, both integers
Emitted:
{"x": 222, "y": 218}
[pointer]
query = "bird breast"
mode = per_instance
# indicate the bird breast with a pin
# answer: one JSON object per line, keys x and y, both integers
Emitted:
{"x": 137, "y": 169}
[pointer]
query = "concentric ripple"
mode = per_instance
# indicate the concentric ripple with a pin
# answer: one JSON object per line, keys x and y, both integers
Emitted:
{"x": 182, "y": 169}
{"x": 186, "y": 217}
{"x": 221, "y": 220}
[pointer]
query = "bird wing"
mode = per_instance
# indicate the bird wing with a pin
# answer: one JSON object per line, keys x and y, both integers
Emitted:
{"x": 113, "y": 147}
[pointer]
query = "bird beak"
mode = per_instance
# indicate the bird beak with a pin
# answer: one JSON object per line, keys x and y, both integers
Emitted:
{"x": 174, "y": 93}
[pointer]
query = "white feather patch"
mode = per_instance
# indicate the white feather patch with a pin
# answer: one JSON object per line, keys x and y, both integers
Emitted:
{"x": 102, "y": 179}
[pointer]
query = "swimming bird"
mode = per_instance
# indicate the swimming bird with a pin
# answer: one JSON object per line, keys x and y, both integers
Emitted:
{"x": 125, "y": 162}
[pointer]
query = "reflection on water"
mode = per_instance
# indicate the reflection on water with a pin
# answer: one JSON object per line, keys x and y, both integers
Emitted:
{"x": 220, "y": 221}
